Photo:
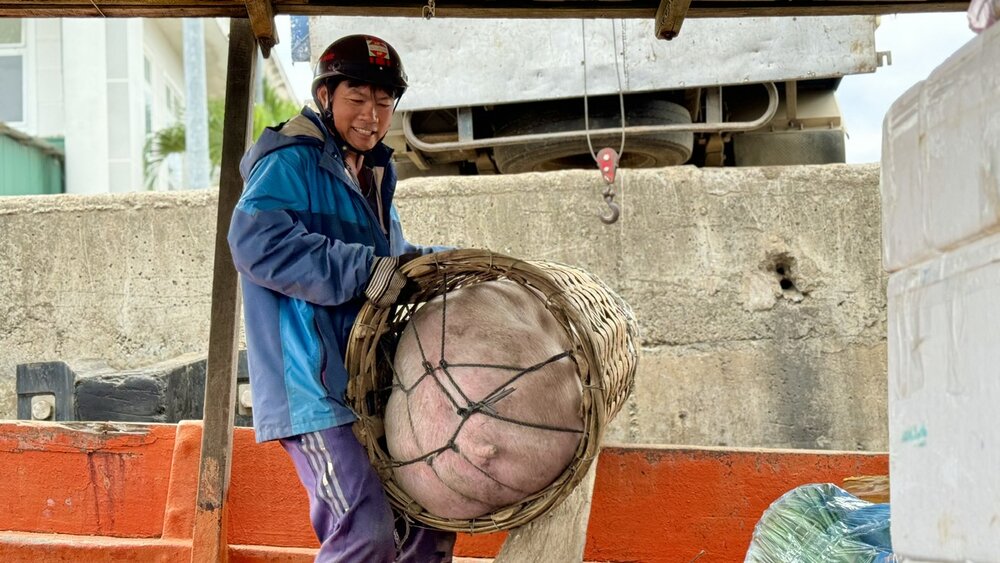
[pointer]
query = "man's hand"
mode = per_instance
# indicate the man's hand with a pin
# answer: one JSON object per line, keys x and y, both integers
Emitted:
{"x": 387, "y": 283}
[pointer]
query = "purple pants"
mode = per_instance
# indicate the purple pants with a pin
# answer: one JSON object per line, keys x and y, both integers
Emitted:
{"x": 349, "y": 511}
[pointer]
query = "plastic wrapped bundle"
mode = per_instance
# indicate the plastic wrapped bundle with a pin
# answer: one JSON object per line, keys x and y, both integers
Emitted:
{"x": 822, "y": 523}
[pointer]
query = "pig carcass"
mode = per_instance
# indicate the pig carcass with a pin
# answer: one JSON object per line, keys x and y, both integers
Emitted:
{"x": 500, "y": 419}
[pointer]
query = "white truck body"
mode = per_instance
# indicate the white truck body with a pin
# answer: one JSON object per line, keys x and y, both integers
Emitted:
{"x": 480, "y": 65}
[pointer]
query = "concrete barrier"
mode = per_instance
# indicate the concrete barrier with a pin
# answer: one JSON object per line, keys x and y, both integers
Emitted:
{"x": 759, "y": 291}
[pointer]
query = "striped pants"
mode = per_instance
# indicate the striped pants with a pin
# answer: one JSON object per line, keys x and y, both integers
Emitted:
{"x": 349, "y": 511}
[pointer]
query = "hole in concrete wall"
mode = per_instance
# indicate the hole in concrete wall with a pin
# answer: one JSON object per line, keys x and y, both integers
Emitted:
{"x": 783, "y": 266}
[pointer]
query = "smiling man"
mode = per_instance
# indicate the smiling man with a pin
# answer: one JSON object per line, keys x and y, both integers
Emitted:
{"x": 314, "y": 235}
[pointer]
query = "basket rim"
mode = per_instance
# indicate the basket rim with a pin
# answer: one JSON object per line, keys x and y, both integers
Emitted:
{"x": 474, "y": 266}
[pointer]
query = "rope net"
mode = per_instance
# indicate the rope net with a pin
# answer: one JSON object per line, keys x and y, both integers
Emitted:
{"x": 599, "y": 351}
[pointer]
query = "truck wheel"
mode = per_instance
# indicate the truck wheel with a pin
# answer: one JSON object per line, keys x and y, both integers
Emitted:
{"x": 641, "y": 151}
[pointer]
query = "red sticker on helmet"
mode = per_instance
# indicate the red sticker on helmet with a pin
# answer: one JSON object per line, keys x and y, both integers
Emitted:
{"x": 378, "y": 51}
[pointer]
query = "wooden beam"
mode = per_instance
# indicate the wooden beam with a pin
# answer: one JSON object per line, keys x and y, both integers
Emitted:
{"x": 261, "y": 14}
{"x": 124, "y": 8}
{"x": 642, "y": 9}
{"x": 872, "y": 488}
{"x": 761, "y": 9}
{"x": 51, "y": 11}
{"x": 471, "y": 8}
{"x": 528, "y": 9}
{"x": 209, "y": 542}
{"x": 669, "y": 18}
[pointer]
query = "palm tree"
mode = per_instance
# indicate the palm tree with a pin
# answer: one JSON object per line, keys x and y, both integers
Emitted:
{"x": 273, "y": 110}
{"x": 170, "y": 140}
{"x": 159, "y": 145}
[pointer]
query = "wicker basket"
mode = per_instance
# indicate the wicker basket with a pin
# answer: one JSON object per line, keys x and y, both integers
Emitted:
{"x": 600, "y": 325}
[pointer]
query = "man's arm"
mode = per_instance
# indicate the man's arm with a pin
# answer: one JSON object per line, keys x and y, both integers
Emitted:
{"x": 272, "y": 248}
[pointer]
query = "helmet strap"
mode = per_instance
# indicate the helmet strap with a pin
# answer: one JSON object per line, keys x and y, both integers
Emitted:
{"x": 327, "y": 110}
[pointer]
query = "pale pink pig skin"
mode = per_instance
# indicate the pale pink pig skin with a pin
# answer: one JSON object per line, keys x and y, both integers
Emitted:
{"x": 497, "y": 463}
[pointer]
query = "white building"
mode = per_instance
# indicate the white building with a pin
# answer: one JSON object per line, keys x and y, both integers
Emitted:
{"x": 102, "y": 86}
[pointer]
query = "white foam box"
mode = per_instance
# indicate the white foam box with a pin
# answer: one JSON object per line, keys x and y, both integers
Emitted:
{"x": 941, "y": 157}
{"x": 944, "y": 406}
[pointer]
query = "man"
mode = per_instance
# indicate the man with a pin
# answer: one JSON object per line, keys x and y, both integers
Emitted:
{"x": 315, "y": 234}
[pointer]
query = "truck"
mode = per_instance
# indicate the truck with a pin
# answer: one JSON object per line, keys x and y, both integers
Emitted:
{"x": 507, "y": 96}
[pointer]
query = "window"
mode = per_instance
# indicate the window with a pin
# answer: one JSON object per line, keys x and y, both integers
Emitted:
{"x": 10, "y": 32}
{"x": 175, "y": 104}
{"x": 175, "y": 114}
{"x": 11, "y": 70}
{"x": 147, "y": 94}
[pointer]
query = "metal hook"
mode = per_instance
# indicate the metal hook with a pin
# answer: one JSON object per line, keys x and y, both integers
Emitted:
{"x": 607, "y": 162}
{"x": 429, "y": 11}
{"x": 614, "y": 211}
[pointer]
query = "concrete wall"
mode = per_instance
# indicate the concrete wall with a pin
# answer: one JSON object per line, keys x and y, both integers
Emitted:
{"x": 122, "y": 277}
{"x": 730, "y": 357}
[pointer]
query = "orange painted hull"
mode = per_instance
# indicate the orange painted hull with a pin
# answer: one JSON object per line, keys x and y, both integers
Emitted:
{"x": 80, "y": 495}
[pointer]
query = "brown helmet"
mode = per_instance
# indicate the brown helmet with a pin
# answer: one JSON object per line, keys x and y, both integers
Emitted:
{"x": 364, "y": 58}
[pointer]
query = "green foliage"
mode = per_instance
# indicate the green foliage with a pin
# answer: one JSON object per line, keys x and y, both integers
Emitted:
{"x": 170, "y": 140}
{"x": 216, "y": 124}
{"x": 160, "y": 145}
{"x": 272, "y": 111}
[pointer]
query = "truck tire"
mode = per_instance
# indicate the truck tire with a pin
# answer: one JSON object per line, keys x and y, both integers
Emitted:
{"x": 641, "y": 151}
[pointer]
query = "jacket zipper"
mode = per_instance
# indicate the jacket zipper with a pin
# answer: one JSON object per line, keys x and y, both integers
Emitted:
{"x": 322, "y": 355}
{"x": 356, "y": 190}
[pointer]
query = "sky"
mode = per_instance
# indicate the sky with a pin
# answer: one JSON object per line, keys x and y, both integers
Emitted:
{"x": 918, "y": 43}
{"x": 299, "y": 74}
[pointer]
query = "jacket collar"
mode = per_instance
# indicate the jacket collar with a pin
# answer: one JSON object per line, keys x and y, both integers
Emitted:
{"x": 307, "y": 128}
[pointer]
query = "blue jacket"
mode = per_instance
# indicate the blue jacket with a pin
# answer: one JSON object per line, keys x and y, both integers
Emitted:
{"x": 303, "y": 239}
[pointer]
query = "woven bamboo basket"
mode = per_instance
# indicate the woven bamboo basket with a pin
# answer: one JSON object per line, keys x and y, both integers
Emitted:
{"x": 600, "y": 326}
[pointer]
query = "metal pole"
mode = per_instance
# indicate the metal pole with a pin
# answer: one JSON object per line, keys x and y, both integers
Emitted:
{"x": 196, "y": 159}
{"x": 729, "y": 127}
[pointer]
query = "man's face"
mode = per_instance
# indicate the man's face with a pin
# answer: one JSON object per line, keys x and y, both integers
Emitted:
{"x": 362, "y": 113}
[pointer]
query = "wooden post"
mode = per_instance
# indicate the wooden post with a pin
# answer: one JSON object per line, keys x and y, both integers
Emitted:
{"x": 669, "y": 17}
{"x": 208, "y": 540}
{"x": 557, "y": 537}
{"x": 261, "y": 13}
